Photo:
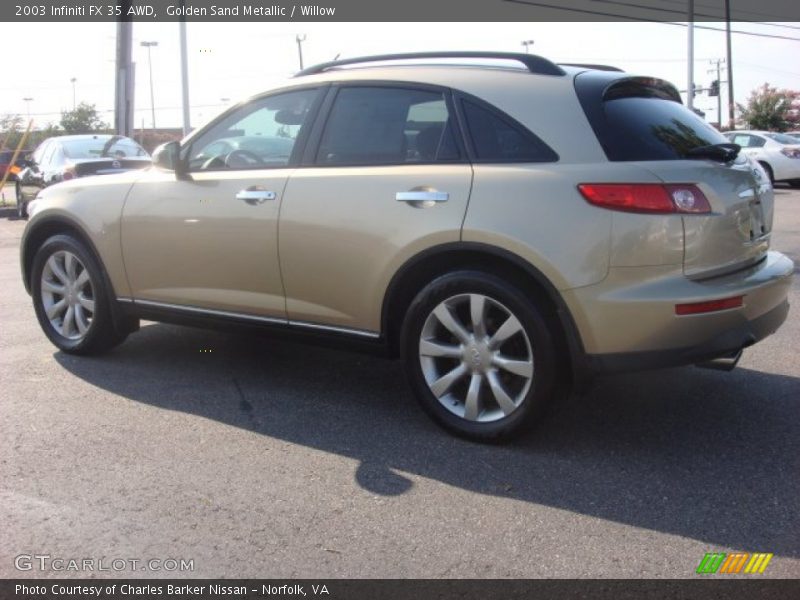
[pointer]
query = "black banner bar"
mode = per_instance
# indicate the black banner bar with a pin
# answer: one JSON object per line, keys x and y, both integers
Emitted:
{"x": 390, "y": 10}
{"x": 728, "y": 588}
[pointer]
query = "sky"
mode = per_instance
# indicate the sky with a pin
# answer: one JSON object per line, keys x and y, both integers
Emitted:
{"x": 229, "y": 61}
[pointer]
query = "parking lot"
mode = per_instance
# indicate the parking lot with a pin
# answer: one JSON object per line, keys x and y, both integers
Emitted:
{"x": 257, "y": 457}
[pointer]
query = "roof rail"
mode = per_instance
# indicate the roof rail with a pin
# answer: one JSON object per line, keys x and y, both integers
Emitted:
{"x": 534, "y": 64}
{"x": 594, "y": 67}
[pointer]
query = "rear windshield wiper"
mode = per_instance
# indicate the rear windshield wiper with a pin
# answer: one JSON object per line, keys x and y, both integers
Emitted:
{"x": 719, "y": 152}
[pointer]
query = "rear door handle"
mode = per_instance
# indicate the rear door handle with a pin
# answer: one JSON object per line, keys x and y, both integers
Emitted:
{"x": 422, "y": 196}
{"x": 255, "y": 196}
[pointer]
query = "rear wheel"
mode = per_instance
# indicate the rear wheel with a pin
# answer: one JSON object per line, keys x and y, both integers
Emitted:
{"x": 479, "y": 356}
{"x": 70, "y": 298}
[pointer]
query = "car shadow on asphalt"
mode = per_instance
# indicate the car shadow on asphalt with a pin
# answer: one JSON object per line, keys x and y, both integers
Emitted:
{"x": 701, "y": 454}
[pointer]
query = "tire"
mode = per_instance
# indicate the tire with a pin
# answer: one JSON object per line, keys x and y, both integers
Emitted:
{"x": 769, "y": 171}
{"x": 22, "y": 206}
{"x": 66, "y": 273}
{"x": 475, "y": 376}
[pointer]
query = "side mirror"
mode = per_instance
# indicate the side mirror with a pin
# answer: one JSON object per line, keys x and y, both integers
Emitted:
{"x": 167, "y": 157}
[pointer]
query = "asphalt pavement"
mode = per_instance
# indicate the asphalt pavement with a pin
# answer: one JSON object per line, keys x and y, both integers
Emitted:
{"x": 255, "y": 457}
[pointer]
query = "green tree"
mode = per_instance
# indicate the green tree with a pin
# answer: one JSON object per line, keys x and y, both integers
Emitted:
{"x": 770, "y": 108}
{"x": 83, "y": 119}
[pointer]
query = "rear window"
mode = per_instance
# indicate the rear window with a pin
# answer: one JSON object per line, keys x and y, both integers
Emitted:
{"x": 99, "y": 147}
{"x": 654, "y": 129}
{"x": 640, "y": 118}
{"x": 781, "y": 138}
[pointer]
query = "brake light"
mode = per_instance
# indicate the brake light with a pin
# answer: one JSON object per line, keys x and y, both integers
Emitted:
{"x": 695, "y": 308}
{"x": 791, "y": 152}
{"x": 646, "y": 197}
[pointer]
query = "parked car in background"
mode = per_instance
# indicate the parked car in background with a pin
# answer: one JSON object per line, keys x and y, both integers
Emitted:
{"x": 5, "y": 162}
{"x": 795, "y": 135}
{"x": 778, "y": 153}
{"x": 66, "y": 157}
{"x": 505, "y": 225}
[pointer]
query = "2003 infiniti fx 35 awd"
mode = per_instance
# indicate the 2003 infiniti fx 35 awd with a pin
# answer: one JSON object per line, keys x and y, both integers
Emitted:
{"x": 501, "y": 222}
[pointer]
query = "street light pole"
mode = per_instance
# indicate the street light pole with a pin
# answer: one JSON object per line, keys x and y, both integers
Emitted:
{"x": 300, "y": 39}
{"x": 149, "y": 45}
{"x": 28, "y": 104}
{"x": 72, "y": 81}
{"x": 527, "y": 44}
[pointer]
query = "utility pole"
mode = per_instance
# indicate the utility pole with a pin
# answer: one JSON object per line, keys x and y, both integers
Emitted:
{"x": 149, "y": 45}
{"x": 690, "y": 60}
{"x": 72, "y": 81}
{"x": 718, "y": 71}
{"x": 184, "y": 75}
{"x": 731, "y": 115}
{"x": 300, "y": 39}
{"x": 123, "y": 97}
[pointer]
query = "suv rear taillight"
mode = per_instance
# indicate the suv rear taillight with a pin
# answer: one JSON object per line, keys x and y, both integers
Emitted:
{"x": 646, "y": 197}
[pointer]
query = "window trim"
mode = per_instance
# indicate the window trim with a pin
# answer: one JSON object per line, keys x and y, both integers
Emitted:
{"x": 303, "y": 135}
{"x": 315, "y": 140}
{"x": 462, "y": 97}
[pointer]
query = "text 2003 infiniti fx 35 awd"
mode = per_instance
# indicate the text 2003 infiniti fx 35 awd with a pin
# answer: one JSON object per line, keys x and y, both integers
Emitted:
{"x": 501, "y": 222}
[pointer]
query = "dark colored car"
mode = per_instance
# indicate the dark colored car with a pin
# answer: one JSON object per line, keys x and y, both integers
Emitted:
{"x": 67, "y": 157}
{"x": 5, "y": 162}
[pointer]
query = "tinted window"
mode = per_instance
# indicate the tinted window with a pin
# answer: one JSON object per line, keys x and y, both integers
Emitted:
{"x": 370, "y": 125}
{"x": 259, "y": 135}
{"x": 650, "y": 128}
{"x": 103, "y": 146}
{"x": 495, "y": 138}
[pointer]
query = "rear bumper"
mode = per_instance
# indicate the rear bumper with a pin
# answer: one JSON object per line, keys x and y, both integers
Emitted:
{"x": 725, "y": 343}
{"x": 628, "y": 321}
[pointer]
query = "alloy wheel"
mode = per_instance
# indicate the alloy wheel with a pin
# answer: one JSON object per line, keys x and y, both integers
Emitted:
{"x": 67, "y": 295}
{"x": 476, "y": 357}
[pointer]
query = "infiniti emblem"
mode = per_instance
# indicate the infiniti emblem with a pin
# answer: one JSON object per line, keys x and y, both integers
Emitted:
{"x": 116, "y": 164}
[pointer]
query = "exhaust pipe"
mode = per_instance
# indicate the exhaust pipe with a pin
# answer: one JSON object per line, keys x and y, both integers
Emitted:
{"x": 726, "y": 362}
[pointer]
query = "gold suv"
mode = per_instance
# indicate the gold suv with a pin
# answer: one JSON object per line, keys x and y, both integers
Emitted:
{"x": 502, "y": 223}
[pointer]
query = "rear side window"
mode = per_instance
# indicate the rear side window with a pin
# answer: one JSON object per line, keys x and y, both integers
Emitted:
{"x": 496, "y": 139}
{"x": 747, "y": 141}
{"x": 387, "y": 125}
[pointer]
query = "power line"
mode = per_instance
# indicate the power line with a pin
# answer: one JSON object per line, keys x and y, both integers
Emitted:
{"x": 646, "y": 20}
{"x": 741, "y": 11}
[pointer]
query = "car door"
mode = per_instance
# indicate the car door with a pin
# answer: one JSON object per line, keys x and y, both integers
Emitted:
{"x": 207, "y": 240}
{"x": 384, "y": 178}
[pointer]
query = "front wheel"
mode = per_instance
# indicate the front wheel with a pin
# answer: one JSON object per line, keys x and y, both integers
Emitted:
{"x": 479, "y": 356}
{"x": 71, "y": 299}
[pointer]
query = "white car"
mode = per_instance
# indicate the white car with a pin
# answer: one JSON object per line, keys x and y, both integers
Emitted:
{"x": 778, "y": 153}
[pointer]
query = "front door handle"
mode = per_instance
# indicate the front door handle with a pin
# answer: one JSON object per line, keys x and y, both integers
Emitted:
{"x": 255, "y": 196}
{"x": 422, "y": 196}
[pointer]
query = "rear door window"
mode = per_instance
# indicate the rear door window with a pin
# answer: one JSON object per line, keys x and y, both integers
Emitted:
{"x": 388, "y": 125}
